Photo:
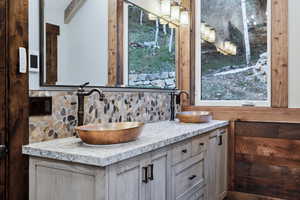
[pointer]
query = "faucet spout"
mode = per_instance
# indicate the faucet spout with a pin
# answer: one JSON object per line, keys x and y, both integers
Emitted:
{"x": 100, "y": 93}
{"x": 81, "y": 93}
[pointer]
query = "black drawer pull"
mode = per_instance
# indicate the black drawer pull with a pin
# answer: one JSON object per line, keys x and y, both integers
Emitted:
{"x": 192, "y": 177}
{"x": 201, "y": 144}
{"x": 220, "y": 140}
{"x": 184, "y": 151}
{"x": 145, "y": 175}
{"x": 151, "y": 173}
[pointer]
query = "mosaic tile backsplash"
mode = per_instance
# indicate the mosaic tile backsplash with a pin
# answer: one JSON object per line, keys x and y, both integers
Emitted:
{"x": 116, "y": 107}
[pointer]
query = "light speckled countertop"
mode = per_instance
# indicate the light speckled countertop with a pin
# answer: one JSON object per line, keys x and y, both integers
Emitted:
{"x": 154, "y": 136}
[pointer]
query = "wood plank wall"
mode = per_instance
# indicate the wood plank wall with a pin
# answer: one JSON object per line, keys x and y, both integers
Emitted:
{"x": 267, "y": 159}
{"x": 3, "y": 162}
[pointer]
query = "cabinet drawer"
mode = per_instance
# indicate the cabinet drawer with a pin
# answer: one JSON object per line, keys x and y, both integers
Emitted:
{"x": 199, "y": 144}
{"x": 181, "y": 152}
{"x": 196, "y": 194}
{"x": 188, "y": 175}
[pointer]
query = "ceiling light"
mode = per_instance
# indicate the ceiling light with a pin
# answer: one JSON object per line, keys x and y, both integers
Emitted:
{"x": 163, "y": 22}
{"x": 184, "y": 17}
{"x": 152, "y": 17}
{"x": 175, "y": 12}
{"x": 172, "y": 25}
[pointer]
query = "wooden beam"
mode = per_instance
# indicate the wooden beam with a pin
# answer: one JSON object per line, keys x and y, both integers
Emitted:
{"x": 3, "y": 81}
{"x": 279, "y": 54}
{"x": 112, "y": 42}
{"x": 185, "y": 55}
{"x": 17, "y": 100}
{"x": 72, "y": 9}
{"x": 254, "y": 114}
{"x": 115, "y": 42}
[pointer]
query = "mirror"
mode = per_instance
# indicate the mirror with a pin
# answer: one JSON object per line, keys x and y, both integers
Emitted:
{"x": 74, "y": 46}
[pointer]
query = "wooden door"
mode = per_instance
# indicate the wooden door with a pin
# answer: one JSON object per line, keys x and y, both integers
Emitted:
{"x": 159, "y": 170}
{"x": 126, "y": 180}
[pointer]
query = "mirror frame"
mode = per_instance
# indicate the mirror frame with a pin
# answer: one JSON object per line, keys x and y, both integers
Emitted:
{"x": 119, "y": 53}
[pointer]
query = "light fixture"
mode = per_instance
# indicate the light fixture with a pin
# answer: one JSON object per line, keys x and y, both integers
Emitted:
{"x": 163, "y": 21}
{"x": 172, "y": 26}
{"x": 184, "y": 17}
{"x": 152, "y": 17}
{"x": 165, "y": 8}
{"x": 175, "y": 12}
{"x": 212, "y": 36}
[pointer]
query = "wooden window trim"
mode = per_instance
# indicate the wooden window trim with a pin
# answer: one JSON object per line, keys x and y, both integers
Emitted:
{"x": 279, "y": 52}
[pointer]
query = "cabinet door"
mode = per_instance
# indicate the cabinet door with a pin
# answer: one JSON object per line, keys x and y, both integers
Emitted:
{"x": 127, "y": 180}
{"x": 159, "y": 173}
{"x": 217, "y": 165}
{"x": 221, "y": 164}
{"x": 211, "y": 167}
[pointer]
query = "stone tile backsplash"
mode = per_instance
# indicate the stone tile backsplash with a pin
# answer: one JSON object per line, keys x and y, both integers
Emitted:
{"x": 117, "y": 107}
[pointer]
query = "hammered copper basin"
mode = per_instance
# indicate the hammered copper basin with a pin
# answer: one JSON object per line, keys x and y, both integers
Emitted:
{"x": 194, "y": 117}
{"x": 110, "y": 133}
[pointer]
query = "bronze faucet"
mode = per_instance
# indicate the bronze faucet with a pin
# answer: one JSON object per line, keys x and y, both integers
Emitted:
{"x": 81, "y": 93}
{"x": 176, "y": 94}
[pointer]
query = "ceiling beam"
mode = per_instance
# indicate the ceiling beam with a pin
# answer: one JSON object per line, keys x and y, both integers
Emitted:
{"x": 72, "y": 9}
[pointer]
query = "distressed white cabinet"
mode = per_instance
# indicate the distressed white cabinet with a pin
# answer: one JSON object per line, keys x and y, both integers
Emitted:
{"x": 195, "y": 169}
{"x": 142, "y": 178}
{"x": 217, "y": 162}
{"x": 189, "y": 164}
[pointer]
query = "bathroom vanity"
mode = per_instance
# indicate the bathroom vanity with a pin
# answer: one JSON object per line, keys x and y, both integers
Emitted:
{"x": 169, "y": 161}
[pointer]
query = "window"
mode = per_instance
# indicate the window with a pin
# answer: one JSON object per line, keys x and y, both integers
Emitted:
{"x": 232, "y": 52}
{"x": 150, "y": 55}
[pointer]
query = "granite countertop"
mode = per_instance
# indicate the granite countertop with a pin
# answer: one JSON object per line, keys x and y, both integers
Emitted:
{"x": 154, "y": 136}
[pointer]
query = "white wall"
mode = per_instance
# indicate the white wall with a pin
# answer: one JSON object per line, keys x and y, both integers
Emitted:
{"x": 34, "y": 39}
{"x": 294, "y": 54}
{"x": 82, "y": 44}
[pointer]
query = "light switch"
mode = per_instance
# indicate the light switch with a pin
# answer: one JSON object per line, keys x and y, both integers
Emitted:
{"x": 22, "y": 60}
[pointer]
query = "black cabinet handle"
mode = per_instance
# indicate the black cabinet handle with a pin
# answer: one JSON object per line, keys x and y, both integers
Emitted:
{"x": 145, "y": 175}
{"x": 192, "y": 177}
{"x": 220, "y": 140}
{"x": 151, "y": 175}
{"x": 201, "y": 144}
{"x": 184, "y": 151}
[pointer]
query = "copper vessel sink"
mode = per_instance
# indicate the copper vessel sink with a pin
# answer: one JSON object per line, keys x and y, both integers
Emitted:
{"x": 194, "y": 117}
{"x": 110, "y": 133}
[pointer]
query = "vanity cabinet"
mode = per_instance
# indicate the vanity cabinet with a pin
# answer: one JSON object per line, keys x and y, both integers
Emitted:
{"x": 193, "y": 169}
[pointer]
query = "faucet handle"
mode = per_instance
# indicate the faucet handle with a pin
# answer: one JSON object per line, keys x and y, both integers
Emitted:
{"x": 81, "y": 87}
{"x": 84, "y": 85}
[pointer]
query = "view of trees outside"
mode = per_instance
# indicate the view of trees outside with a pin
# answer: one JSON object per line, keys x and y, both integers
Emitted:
{"x": 234, "y": 58}
{"x": 151, "y": 51}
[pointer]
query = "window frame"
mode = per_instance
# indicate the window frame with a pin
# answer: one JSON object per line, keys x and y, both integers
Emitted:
{"x": 126, "y": 48}
{"x": 198, "y": 75}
